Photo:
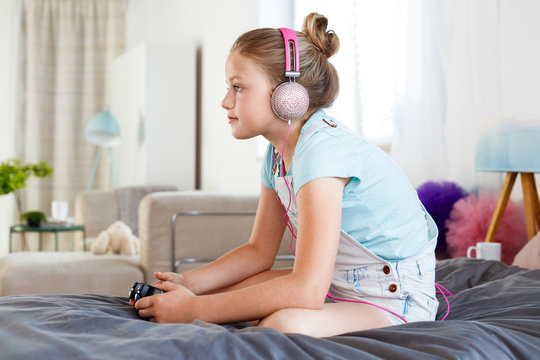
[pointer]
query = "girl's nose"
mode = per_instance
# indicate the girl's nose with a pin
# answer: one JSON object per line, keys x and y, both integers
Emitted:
{"x": 227, "y": 102}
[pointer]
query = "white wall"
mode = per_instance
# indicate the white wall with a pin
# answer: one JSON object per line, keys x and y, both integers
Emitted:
{"x": 227, "y": 164}
{"x": 9, "y": 46}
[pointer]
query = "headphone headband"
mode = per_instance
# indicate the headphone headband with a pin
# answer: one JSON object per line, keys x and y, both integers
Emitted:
{"x": 289, "y": 36}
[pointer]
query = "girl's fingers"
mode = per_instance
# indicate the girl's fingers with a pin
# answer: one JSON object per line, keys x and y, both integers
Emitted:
{"x": 164, "y": 276}
{"x": 168, "y": 276}
{"x": 167, "y": 286}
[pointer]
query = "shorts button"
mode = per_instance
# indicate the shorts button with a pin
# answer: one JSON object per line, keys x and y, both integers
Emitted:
{"x": 386, "y": 269}
{"x": 392, "y": 288}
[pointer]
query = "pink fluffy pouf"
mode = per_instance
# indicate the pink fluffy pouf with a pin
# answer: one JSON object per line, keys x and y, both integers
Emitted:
{"x": 469, "y": 221}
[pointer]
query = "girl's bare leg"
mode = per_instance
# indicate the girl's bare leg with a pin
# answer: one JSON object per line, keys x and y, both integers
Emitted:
{"x": 332, "y": 319}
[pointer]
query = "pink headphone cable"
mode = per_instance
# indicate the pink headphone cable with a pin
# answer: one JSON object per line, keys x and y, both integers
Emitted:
{"x": 286, "y": 217}
{"x": 442, "y": 290}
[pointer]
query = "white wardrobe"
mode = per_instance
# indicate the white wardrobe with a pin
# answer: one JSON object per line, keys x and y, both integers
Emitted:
{"x": 153, "y": 96}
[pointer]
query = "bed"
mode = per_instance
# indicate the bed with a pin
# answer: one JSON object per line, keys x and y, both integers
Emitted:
{"x": 494, "y": 313}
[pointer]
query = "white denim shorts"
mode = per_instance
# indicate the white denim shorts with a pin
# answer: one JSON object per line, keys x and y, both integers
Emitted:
{"x": 405, "y": 288}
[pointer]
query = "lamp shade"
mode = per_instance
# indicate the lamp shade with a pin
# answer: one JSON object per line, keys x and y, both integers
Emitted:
{"x": 510, "y": 145}
{"x": 103, "y": 130}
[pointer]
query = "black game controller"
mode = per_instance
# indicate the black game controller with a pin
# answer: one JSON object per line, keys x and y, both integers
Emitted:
{"x": 140, "y": 290}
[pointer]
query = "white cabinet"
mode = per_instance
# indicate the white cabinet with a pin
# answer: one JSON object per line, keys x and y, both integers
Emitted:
{"x": 153, "y": 96}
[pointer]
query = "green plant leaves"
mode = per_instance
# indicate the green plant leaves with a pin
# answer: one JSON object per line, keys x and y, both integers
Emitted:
{"x": 34, "y": 215}
{"x": 13, "y": 176}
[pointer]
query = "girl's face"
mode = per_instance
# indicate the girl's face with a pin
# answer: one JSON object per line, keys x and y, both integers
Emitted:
{"x": 248, "y": 98}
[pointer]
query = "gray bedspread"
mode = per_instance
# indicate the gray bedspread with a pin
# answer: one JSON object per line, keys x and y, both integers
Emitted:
{"x": 495, "y": 314}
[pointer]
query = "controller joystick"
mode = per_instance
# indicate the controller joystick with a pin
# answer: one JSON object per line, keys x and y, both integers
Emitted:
{"x": 140, "y": 290}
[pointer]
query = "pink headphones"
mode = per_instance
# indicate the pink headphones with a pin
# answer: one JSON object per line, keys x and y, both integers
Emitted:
{"x": 290, "y": 100}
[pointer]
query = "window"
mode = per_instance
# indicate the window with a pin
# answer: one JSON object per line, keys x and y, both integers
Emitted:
{"x": 370, "y": 62}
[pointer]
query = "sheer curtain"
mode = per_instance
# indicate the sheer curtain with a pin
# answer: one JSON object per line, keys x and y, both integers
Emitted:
{"x": 369, "y": 62}
{"x": 419, "y": 74}
{"x": 68, "y": 47}
{"x": 453, "y": 82}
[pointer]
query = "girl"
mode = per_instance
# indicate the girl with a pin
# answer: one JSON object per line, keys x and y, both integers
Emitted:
{"x": 364, "y": 243}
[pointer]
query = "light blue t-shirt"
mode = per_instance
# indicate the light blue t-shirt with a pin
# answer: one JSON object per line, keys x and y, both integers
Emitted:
{"x": 381, "y": 209}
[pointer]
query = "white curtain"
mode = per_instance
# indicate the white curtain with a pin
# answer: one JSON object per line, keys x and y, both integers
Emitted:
{"x": 69, "y": 46}
{"x": 453, "y": 82}
{"x": 342, "y": 20}
{"x": 429, "y": 67}
{"x": 369, "y": 61}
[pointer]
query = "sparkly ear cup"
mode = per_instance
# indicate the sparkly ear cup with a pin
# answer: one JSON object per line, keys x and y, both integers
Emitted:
{"x": 290, "y": 101}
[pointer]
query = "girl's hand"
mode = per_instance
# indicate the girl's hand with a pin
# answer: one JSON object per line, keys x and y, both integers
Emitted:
{"x": 173, "y": 306}
{"x": 163, "y": 277}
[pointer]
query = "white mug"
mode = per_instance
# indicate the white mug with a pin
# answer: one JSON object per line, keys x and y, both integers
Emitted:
{"x": 59, "y": 210}
{"x": 486, "y": 250}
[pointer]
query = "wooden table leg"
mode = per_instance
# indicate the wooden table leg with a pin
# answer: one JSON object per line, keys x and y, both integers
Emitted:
{"x": 531, "y": 204}
{"x": 506, "y": 190}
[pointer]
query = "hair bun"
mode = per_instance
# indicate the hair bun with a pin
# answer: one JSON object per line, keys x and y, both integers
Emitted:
{"x": 314, "y": 28}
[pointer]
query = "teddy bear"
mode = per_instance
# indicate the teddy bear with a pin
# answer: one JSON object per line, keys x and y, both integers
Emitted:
{"x": 117, "y": 239}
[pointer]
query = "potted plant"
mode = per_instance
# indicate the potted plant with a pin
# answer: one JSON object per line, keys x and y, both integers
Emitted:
{"x": 13, "y": 176}
{"x": 33, "y": 218}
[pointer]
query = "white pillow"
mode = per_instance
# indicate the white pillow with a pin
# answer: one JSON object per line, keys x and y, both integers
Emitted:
{"x": 529, "y": 256}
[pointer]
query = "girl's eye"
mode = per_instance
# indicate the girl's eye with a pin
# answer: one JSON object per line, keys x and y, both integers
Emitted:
{"x": 237, "y": 88}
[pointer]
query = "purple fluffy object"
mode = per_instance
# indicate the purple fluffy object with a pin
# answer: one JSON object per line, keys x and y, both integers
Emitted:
{"x": 439, "y": 197}
{"x": 469, "y": 221}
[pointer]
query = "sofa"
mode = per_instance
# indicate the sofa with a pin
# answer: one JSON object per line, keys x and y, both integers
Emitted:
{"x": 178, "y": 230}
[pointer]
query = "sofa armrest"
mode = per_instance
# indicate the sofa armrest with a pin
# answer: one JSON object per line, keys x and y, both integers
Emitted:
{"x": 200, "y": 238}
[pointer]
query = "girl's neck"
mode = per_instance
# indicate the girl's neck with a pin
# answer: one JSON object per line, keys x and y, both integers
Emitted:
{"x": 287, "y": 152}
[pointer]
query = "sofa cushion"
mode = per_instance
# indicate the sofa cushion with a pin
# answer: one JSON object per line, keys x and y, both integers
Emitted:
{"x": 68, "y": 273}
{"x": 128, "y": 199}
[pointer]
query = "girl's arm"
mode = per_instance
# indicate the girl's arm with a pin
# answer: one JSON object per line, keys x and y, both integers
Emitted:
{"x": 319, "y": 206}
{"x": 255, "y": 256}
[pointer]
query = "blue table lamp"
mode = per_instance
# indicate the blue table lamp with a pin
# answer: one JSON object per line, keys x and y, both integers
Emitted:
{"x": 104, "y": 132}
{"x": 512, "y": 146}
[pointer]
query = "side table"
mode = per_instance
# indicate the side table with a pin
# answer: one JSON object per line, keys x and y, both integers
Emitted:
{"x": 22, "y": 228}
{"x": 511, "y": 144}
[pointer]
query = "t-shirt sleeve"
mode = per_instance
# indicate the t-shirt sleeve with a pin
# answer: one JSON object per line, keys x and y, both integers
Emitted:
{"x": 325, "y": 154}
{"x": 267, "y": 177}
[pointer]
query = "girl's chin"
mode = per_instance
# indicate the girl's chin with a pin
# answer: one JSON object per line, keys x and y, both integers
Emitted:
{"x": 242, "y": 136}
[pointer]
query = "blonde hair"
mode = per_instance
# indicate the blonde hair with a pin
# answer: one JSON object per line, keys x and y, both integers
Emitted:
{"x": 266, "y": 48}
